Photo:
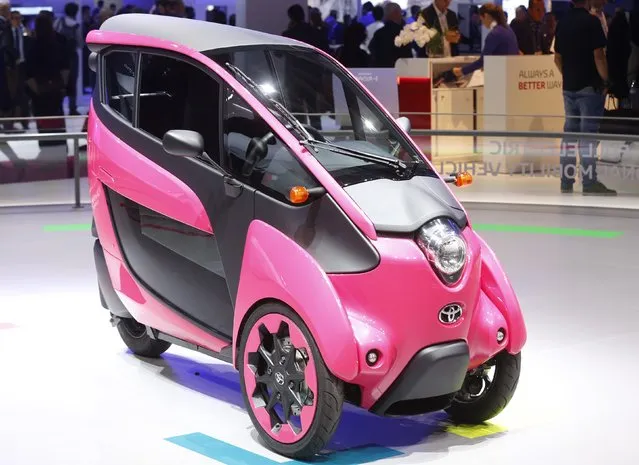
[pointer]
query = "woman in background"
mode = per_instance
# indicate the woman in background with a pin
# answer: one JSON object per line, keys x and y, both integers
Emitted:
{"x": 501, "y": 40}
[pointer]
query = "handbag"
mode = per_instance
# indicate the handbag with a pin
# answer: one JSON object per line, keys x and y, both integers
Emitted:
{"x": 619, "y": 117}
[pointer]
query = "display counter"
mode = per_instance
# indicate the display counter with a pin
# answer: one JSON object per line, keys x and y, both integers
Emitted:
{"x": 522, "y": 93}
{"x": 512, "y": 93}
{"x": 450, "y": 107}
{"x": 518, "y": 93}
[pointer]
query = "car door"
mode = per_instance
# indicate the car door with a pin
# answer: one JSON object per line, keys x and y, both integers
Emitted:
{"x": 192, "y": 268}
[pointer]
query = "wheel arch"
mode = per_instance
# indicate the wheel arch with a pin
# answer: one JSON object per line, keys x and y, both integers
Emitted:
{"x": 276, "y": 269}
{"x": 499, "y": 290}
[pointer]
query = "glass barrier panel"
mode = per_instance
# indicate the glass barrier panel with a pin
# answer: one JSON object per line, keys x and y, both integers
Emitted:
{"x": 536, "y": 167}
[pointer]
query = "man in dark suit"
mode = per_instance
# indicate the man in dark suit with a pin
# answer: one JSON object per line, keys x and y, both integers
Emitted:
{"x": 8, "y": 73}
{"x": 384, "y": 53}
{"x": 22, "y": 42}
{"x": 446, "y": 22}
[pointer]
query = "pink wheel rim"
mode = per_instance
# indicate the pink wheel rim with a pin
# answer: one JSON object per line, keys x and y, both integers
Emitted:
{"x": 280, "y": 378}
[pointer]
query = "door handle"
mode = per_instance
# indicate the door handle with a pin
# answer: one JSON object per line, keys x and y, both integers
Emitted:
{"x": 232, "y": 187}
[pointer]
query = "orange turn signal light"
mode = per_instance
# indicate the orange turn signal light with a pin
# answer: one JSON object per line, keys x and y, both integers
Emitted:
{"x": 463, "y": 179}
{"x": 298, "y": 194}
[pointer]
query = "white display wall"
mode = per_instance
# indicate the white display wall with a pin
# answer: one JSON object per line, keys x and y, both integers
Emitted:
{"x": 522, "y": 93}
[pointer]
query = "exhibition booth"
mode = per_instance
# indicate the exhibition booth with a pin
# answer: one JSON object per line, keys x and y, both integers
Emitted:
{"x": 511, "y": 94}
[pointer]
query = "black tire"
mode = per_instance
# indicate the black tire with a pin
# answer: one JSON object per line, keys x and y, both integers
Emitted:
{"x": 497, "y": 396}
{"x": 330, "y": 396}
{"x": 135, "y": 336}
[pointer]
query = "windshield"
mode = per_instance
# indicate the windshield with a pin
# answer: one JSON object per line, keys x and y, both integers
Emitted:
{"x": 327, "y": 110}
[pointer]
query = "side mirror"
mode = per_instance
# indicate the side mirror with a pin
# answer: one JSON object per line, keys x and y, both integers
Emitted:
{"x": 182, "y": 143}
{"x": 93, "y": 61}
{"x": 404, "y": 123}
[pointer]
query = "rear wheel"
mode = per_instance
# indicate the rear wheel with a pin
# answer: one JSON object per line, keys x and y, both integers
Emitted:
{"x": 137, "y": 339}
{"x": 292, "y": 399}
{"x": 487, "y": 390}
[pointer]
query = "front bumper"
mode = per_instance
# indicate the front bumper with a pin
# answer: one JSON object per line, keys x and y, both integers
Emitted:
{"x": 428, "y": 382}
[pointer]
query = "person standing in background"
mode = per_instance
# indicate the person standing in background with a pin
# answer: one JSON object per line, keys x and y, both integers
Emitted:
{"x": 521, "y": 14}
{"x": 299, "y": 29}
{"x": 446, "y": 22}
{"x": 581, "y": 59}
{"x": 99, "y": 6}
{"x": 317, "y": 23}
{"x": 372, "y": 28}
{"x": 597, "y": 10}
{"x": 618, "y": 53}
{"x": 384, "y": 53}
{"x": 88, "y": 79}
{"x": 47, "y": 70}
{"x": 367, "y": 17}
{"x": 301, "y": 80}
{"x": 8, "y": 64}
{"x": 352, "y": 54}
{"x": 529, "y": 32}
{"x": 21, "y": 41}
{"x": 500, "y": 40}
{"x": 415, "y": 10}
{"x": 548, "y": 29}
{"x": 69, "y": 28}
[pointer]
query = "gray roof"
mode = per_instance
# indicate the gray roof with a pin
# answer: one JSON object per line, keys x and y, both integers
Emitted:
{"x": 198, "y": 35}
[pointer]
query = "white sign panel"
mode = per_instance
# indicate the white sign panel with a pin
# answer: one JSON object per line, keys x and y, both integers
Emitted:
{"x": 381, "y": 82}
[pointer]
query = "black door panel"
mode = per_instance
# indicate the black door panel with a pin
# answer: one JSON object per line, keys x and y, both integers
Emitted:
{"x": 196, "y": 273}
{"x": 180, "y": 264}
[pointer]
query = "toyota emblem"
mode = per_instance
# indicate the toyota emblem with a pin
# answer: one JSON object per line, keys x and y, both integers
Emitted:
{"x": 450, "y": 314}
{"x": 279, "y": 378}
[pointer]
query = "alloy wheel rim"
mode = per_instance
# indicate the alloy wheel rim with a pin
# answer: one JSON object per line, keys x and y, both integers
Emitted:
{"x": 280, "y": 378}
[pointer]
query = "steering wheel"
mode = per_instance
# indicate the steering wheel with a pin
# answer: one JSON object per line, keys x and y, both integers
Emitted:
{"x": 257, "y": 151}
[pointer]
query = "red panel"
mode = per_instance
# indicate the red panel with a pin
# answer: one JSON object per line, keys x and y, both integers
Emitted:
{"x": 414, "y": 97}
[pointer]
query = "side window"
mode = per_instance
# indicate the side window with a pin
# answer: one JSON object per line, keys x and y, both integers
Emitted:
{"x": 177, "y": 95}
{"x": 119, "y": 78}
{"x": 256, "y": 156}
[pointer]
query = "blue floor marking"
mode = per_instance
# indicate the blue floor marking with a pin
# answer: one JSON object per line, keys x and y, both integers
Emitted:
{"x": 229, "y": 454}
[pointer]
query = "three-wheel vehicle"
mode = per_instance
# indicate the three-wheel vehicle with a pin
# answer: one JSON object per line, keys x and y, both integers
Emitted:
{"x": 322, "y": 256}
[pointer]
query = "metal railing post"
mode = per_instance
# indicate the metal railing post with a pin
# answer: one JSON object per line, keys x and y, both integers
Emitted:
{"x": 76, "y": 172}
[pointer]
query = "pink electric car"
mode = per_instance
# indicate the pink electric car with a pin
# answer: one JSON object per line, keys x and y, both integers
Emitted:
{"x": 254, "y": 202}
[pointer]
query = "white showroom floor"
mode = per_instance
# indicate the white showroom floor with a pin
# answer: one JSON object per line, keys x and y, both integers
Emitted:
{"x": 70, "y": 394}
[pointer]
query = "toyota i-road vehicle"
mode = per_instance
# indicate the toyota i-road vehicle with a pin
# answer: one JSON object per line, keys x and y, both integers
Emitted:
{"x": 322, "y": 256}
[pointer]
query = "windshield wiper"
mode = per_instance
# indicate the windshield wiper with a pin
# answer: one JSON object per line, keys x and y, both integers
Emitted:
{"x": 390, "y": 162}
{"x": 309, "y": 140}
{"x": 281, "y": 109}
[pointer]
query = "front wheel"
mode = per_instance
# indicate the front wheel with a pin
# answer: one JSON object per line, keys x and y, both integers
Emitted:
{"x": 483, "y": 396}
{"x": 294, "y": 402}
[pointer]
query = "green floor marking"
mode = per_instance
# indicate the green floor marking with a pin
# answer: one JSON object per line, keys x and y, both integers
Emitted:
{"x": 510, "y": 228}
{"x": 516, "y": 228}
{"x": 67, "y": 227}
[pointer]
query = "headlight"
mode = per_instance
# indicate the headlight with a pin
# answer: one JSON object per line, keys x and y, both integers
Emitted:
{"x": 444, "y": 247}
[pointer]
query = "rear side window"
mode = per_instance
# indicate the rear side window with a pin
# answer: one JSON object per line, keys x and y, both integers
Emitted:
{"x": 177, "y": 95}
{"x": 120, "y": 83}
